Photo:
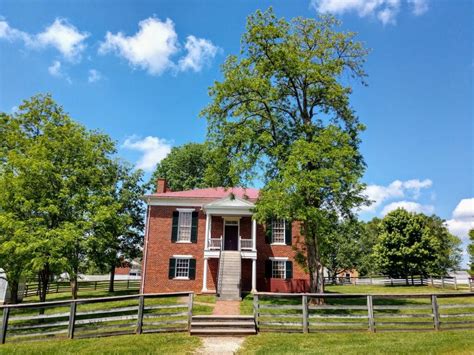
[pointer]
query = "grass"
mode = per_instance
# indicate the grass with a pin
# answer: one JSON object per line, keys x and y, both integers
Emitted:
{"x": 176, "y": 343}
{"x": 458, "y": 342}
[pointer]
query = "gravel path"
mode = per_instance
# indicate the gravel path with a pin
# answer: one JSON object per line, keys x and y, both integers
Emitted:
{"x": 220, "y": 345}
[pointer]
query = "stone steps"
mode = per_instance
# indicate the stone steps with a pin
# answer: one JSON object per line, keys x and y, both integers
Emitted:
{"x": 231, "y": 275}
{"x": 230, "y": 325}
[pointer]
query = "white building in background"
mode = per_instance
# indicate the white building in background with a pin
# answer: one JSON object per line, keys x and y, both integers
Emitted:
{"x": 5, "y": 292}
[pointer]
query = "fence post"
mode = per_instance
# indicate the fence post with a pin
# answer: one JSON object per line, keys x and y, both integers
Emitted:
{"x": 432, "y": 283}
{"x": 255, "y": 309}
{"x": 95, "y": 285}
{"x": 434, "y": 304}
{"x": 442, "y": 282}
{"x": 470, "y": 284}
{"x": 3, "y": 330}
{"x": 455, "y": 283}
{"x": 141, "y": 306}
{"x": 305, "y": 313}
{"x": 26, "y": 290}
{"x": 370, "y": 310}
{"x": 72, "y": 320}
{"x": 57, "y": 287}
{"x": 128, "y": 283}
{"x": 190, "y": 310}
{"x": 391, "y": 281}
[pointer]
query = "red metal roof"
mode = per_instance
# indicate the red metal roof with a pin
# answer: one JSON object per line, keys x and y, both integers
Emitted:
{"x": 217, "y": 192}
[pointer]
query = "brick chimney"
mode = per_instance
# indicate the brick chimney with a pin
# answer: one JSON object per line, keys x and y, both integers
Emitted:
{"x": 161, "y": 186}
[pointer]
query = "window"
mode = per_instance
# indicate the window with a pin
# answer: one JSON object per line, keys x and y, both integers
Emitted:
{"x": 278, "y": 231}
{"x": 184, "y": 226}
{"x": 182, "y": 268}
{"x": 279, "y": 269}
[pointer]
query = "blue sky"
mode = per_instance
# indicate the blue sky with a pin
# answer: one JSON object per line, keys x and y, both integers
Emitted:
{"x": 139, "y": 70}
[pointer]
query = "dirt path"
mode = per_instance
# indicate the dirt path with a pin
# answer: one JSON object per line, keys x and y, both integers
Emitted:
{"x": 220, "y": 345}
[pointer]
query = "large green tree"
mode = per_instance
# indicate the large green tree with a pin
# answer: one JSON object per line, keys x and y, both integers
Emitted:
{"x": 414, "y": 244}
{"x": 184, "y": 168}
{"x": 119, "y": 235}
{"x": 343, "y": 249}
{"x": 470, "y": 250}
{"x": 56, "y": 174}
{"x": 282, "y": 114}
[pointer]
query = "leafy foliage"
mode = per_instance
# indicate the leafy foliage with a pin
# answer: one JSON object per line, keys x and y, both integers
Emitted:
{"x": 55, "y": 182}
{"x": 282, "y": 114}
{"x": 415, "y": 244}
{"x": 470, "y": 250}
{"x": 186, "y": 167}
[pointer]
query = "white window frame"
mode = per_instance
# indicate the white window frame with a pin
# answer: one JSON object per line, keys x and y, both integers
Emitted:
{"x": 284, "y": 232}
{"x": 181, "y": 258}
{"x": 279, "y": 260}
{"x": 182, "y": 211}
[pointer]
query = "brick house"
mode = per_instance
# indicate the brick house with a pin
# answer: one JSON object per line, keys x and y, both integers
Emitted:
{"x": 205, "y": 240}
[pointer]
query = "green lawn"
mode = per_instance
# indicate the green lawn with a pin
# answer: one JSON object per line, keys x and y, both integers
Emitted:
{"x": 176, "y": 343}
{"x": 453, "y": 342}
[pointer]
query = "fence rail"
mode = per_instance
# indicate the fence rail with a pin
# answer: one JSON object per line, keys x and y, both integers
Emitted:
{"x": 31, "y": 288}
{"x": 443, "y": 282}
{"x": 93, "y": 317}
{"x": 290, "y": 312}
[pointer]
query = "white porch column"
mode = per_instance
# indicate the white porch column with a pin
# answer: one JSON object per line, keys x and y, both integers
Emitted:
{"x": 204, "y": 276}
{"x": 254, "y": 234}
{"x": 206, "y": 234}
{"x": 254, "y": 275}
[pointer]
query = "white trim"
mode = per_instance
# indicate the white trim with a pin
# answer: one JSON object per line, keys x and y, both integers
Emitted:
{"x": 279, "y": 258}
{"x": 181, "y": 278}
{"x": 182, "y": 202}
{"x": 279, "y": 244}
{"x": 185, "y": 209}
{"x": 182, "y": 257}
{"x": 183, "y": 241}
{"x": 147, "y": 233}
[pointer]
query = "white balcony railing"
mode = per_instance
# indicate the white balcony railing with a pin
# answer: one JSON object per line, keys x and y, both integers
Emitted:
{"x": 245, "y": 244}
{"x": 215, "y": 243}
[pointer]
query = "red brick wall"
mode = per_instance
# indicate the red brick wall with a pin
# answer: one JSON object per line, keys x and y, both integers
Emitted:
{"x": 160, "y": 249}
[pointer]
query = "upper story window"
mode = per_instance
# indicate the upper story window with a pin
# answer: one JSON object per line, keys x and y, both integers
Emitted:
{"x": 278, "y": 231}
{"x": 184, "y": 226}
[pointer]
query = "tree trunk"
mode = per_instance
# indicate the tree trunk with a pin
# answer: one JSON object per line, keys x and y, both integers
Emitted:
{"x": 314, "y": 265}
{"x": 43, "y": 282}
{"x": 112, "y": 278}
{"x": 13, "y": 287}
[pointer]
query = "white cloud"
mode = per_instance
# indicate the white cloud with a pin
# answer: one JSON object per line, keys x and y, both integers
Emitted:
{"x": 94, "y": 76}
{"x": 462, "y": 219}
{"x": 155, "y": 44}
{"x": 61, "y": 35}
{"x": 55, "y": 70}
{"x": 154, "y": 149}
{"x": 397, "y": 189}
{"x": 200, "y": 52}
{"x": 419, "y": 7}
{"x": 461, "y": 222}
{"x": 150, "y": 48}
{"x": 410, "y": 206}
{"x": 384, "y": 10}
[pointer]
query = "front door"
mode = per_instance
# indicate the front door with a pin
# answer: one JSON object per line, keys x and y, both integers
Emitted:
{"x": 231, "y": 238}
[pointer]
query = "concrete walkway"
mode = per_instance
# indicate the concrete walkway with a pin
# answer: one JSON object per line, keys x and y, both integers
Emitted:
{"x": 220, "y": 345}
{"x": 226, "y": 308}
